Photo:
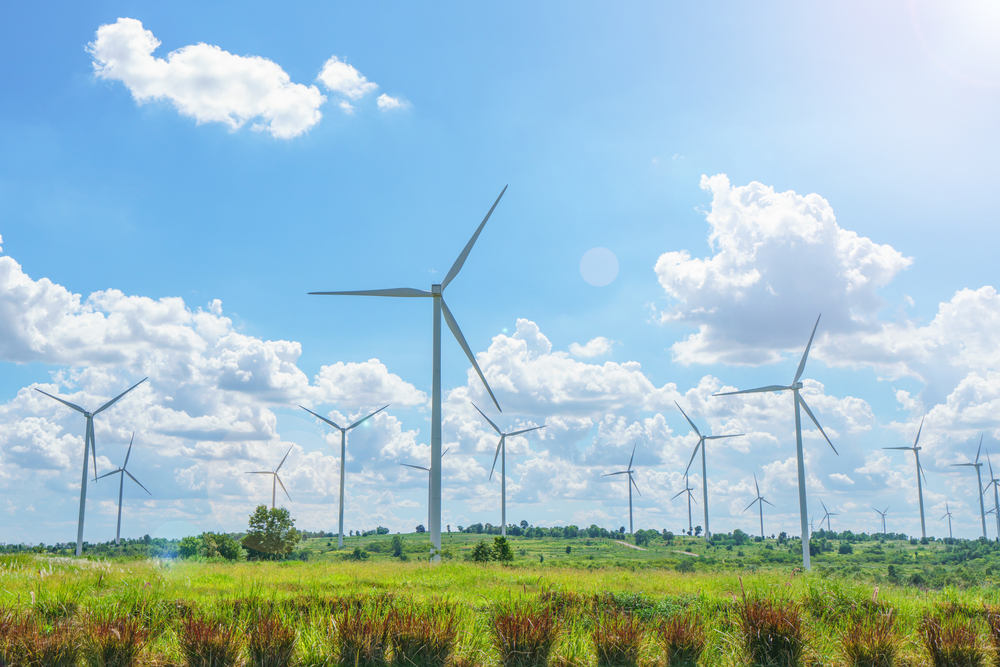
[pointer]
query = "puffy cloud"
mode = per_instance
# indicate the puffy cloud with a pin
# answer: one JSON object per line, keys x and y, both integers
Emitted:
{"x": 344, "y": 79}
{"x": 595, "y": 347}
{"x": 205, "y": 82}
{"x": 386, "y": 103}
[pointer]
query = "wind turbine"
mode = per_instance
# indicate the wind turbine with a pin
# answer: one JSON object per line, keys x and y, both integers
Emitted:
{"x": 798, "y": 401}
{"x": 947, "y": 513}
{"x": 437, "y": 295}
{"x": 704, "y": 466}
{"x": 343, "y": 459}
{"x": 89, "y": 445}
{"x": 759, "y": 500}
{"x": 920, "y": 471}
{"x": 631, "y": 483}
{"x": 687, "y": 489}
{"x": 977, "y": 465}
{"x": 502, "y": 453}
{"x": 428, "y": 470}
{"x": 276, "y": 480}
{"x": 121, "y": 486}
{"x": 996, "y": 499}
{"x": 882, "y": 513}
{"x": 826, "y": 517}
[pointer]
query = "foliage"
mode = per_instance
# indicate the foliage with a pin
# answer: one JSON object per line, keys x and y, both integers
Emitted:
{"x": 423, "y": 638}
{"x": 116, "y": 642}
{"x": 617, "y": 638}
{"x": 952, "y": 642}
{"x": 270, "y": 643}
{"x": 502, "y": 553}
{"x": 481, "y": 553}
{"x": 524, "y": 634}
{"x": 871, "y": 641}
{"x": 361, "y": 634}
{"x": 271, "y": 534}
{"x": 770, "y": 632}
{"x": 209, "y": 643}
{"x": 682, "y": 638}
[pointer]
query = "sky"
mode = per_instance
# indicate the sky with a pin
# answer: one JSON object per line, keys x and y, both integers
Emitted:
{"x": 689, "y": 186}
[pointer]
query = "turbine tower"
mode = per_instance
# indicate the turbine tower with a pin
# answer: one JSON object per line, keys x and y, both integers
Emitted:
{"x": 798, "y": 401}
{"x": 947, "y": 513}
{"x": 502, "y": 453}
{"x": 687, "y": 489}
{"x": 343, "y": 461}
{"x": 996, "y": 498}
{"x": 882, "y": 513}
{"x": 121, "y": 487}
{"x": 920, "y": 471}
{"x": 89, "y": 445}
{"x": 631, "y": 482}
{"x": 428, "y": 471}
{"x": 704, "y": 465}
{"x": 826, "y": 517}
{"x": 759, "y": 500}
{"x": 437, "y": 296}
{"x": 277, "y": 480}
{"x": 977, "y": 465}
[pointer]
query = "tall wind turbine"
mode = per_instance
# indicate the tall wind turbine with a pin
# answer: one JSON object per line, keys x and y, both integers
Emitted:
{"x": 89, "y": 445}
{"x": 687, "y": 490}
{"x": 882, "y": 513}
{"x": 343, "y": 461}
{"x": 437, "y": 296}
{"x": 121, "y": 487}
{"x": 277, "y": 480}
{"x": 826, "y": 517}
{"x": 994, "y": 482}
{"x": 759, "y": 500}
{"x": 920, "y": 471}
{"x": 704, "y": 466}
{"x": 428, "y": 471}
{"x": 502, "y": 453}
{"x": 798, "y": 402}
{"x": 631, "y": 482}
{"x": 977, "y": 465}
{"x": 947, "y": 513}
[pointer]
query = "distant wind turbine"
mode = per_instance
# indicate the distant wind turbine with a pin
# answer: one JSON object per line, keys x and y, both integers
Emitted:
{"x": 996, "y": 499}
{"x": 759, "y": 500}
{"x": 276, "y": 480}
{"x": 977, "y": 465}
{"x": 704, "y": 465}
{"x": 826, "y": 517}
{"x": 121, "y": 487}
{"x": 631, "y": 482}
{"x": 428, "y": 471}
{"x": 920, "y": 471}
{"x": 882, "y": 513}
{"x": 795, "y": 387}
{"x": 343, "y": 461}
{"x": 947, "y": 513}
{"x": 687, "y": 490}
{"x": 502, "y": 453}
{"x": 437, "y": 296}
{"x": 89, "y": 445}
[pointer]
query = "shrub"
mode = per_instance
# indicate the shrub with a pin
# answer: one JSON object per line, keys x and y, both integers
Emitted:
{"x": 423, "y": 639}
{"x": 481, "y": 552}
{"x": 993, "y": 622}
{"x": 686, "y": 565}
{"x": 871, "y": 642}
{"x": 617, "y": 638}
{"x": 951, "y": 643}
{"x": 682, "y": 639}
{"x": 26, "y": 645}
{"x": 361, "y": 634}
{"x": 270, "y": 643}
{"x": 502, "y": 551}
{"x": 770, "y": 632}
{"x": 524, "y": 634}
{"x": 208, "y": 643}
{"x": 115, "y": 643}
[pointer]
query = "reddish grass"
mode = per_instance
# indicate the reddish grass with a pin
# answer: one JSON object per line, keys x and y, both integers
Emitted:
{"x": 524, "y": 634}
{"x": 208, "y": 643}
{"x": 617, "y": 638}
{"x": 682, "y": 638}
{"x": 952, "y": 642}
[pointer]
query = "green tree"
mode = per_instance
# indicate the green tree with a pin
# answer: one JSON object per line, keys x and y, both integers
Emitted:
{"x": 397, "y": 546}
{"x": 502, "y": 551}
{"x": 271, "y": 534}
{"x": 481, "y": 552}
{"x": 189, "y": 546}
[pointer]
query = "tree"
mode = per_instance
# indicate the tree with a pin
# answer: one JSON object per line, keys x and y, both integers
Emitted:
{"x": 668, "y": 537}
{"x": 524, "y": 524}
{"x": 481, "y": 552}
{"x": 641, "y": 538}
{"x": 271, "y": 534}
{"x": 420, "y": 529}
{"x": 697, "y": 531}
{"x": 569, "y": 550}
{"x": 189, "y": 546}
{"x": 397, "y": 545}
{"x": 502, "y": 551}
{"x": 449, "y": 528}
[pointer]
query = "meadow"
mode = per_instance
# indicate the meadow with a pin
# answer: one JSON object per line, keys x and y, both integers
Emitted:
{"x": 568, "y": 602}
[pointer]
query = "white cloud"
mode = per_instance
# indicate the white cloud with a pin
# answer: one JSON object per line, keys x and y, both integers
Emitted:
{"x": 386, "y": 103}
{"x": 205, "y": 82}
{"x": 843, "y": 479}
{"x": 595, "y": 347}
{"x": 345, "y": 80}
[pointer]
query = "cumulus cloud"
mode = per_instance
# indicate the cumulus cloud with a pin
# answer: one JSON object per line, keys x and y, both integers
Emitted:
{"x": 344, "y": 79}
{"x": 595, "y": 347}
{"x": 205, "y": 82}
{"x": 386, "y": 103}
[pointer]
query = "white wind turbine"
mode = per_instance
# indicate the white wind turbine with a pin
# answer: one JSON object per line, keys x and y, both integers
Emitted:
{"x": 798, "y": 401}
{"x": 704, "y": 465}
{"x": 759, "y": 500}
{"x": 687, "y": 490}
{"x": 428, "y": 471}
{"x": 277, "y": 480}
{"x": 89, "y": 445}
{"x": 882, "y": 513}
{"x": 920, "y": 471}
{"x": 826, "y": 517}
{"x": 977, "y": 465}
{"x": 947, "y": 513}
{"x": 437, "y": 296}
{"x": 631, "y": 483}
{"x": 502, "y": 453}
{"x": 343, "y": 461}
{"x": 994, "y": 482}
{"x": 121, "y": 487}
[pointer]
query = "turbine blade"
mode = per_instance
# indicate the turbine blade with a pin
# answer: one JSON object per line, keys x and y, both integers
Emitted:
{"x": 129, "y": 452}
{"x": 635, "y": 485}
{"x": 453, "y": 325}
{"x": 805, "y": 407}
{"x": 921, "y": 468}
{"x": 93, "y": 444}
{"x": 758, "y": 390}
{"x": 283, "y": 487}
{"x": 445, "y": 452}
{"x": 687, "y": 418}
{"x": 906, "y": 448}
{"x": 750, "y": 505}
{"x": 633, "y": 455}
{"x": 980, "y": 448}
{"x": 768, "y": 502}
{"x": 66, "y": 403}
{"x": 609, "y": 474}
{"x": 720, "y": 437}
{"x": 495, "y": 456}
{"x": 396, "y": 291}
{"x": 116, "y": 398}
{"x": 527, "y": 430}
{"x": 361, "y": 421}
{"x": 136, "y": 481}
{"x": 108, "y": 474}
{"x": 756, "y": 485}
{"x": 415, "y": 467}
{"x": 679, "y": 493}
{"x": 701, "y": 441}
{"x": 805, "y": 355}
{"x": 824, "y": 507}
{"x": 259, "y": 472}
{"x": 495, "y": 427}
{"x": 919, "y": 430}
{"x": 964, "y": 465}
{"x": 457, "y": 266}
{"x": 283, "y": 460}
{"x": 333, "y": 424}
{"x": 989, "y": 462}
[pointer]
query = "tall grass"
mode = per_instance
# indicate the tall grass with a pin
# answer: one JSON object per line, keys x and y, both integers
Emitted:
{"x": 617, "y": 639}
{"x": 114, "y": 643}
{"x": 270, "y": 643}
{"x": 871, "y": 642}
{"x": 992, "y": 615}
{"x": 423, "y": 637}
{"x": 771, "y": 632}
{"x": 524, "y": 633}
{"x": 26, "y": 644}
{"x": 209, "y": 643}
{"x": 361, "y": 634}
{"x": 682, "y": 639}
{"x": 952, "y": 642}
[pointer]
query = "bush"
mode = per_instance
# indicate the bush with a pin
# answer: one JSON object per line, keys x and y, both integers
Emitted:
{"x": 25, "y": 644}
{"x": 207, "y": 643}
{"x": 682, "y": 639}
{"x": 871, "y": 641}
{"x": 357, "y": 554}
{"x": 951, "y": 643}
{"x": 502, "y": 552}
{"x": 423, "y": 639}
{"x": 686, "y": 565}
{"x": 397, "y": 546}
{"x": 770, "y": 632}
{"x": 361, "y": 634}
{"x": 524, "y": 634}
{"x": 481, "y": 553}
{"x": 270, "y": 643}
{"x": 115, "y": 643}
{"x": 617, "y": 638}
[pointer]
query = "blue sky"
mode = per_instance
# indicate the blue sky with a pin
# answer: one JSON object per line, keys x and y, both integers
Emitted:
{"x": 857, "y": 144}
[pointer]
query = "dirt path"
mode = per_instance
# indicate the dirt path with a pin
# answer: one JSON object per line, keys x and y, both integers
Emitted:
{"x": 630, "y": 546}
{"x": 687, "y": 553}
